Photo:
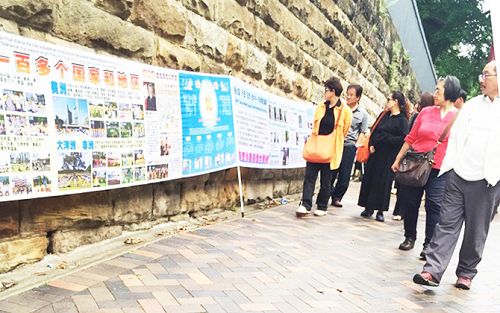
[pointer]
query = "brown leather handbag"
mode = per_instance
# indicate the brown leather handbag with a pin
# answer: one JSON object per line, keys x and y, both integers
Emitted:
{"x": 415, "y": 167}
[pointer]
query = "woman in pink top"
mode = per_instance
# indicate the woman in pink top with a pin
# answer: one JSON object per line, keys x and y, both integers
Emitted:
{"x": 423, "y": 137}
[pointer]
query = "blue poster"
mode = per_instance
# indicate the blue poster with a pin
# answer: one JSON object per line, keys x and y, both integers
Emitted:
{"x": 207, "y": 123}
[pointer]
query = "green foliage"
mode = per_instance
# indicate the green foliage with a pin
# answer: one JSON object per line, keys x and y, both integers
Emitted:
{"x": 451, "y": 25}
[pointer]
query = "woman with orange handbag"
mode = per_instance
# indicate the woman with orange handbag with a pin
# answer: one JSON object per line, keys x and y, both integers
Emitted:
{"x": 385, "y": 142}
{"x": 330, "y": 118}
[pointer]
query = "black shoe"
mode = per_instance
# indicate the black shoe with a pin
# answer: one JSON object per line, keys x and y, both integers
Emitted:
{"x": 423, "y": 254}
{"x": 367, "y": 213}
{"x": 408, "y": 244}
{"x": 336, "y": 203}
{"x": 380, "y": 216}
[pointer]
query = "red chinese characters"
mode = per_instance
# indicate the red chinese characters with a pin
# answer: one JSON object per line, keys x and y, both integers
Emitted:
{"x": 122, "y": 80}
{"x": 62, "y": 68}
{"x": 94, "y": 75}
{"x": 134, "y": 81}
{"x": 78, "y": 73}
{"x": 42, "y": 66}
{"x": 22, "y": 62}
{"x": 109, "y": 78}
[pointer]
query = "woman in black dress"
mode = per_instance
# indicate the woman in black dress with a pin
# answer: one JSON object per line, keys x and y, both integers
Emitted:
{"x": 385, "y": 142}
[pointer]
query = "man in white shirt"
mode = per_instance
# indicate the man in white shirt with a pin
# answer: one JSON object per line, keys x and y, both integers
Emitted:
{"x": 472, "y": 192}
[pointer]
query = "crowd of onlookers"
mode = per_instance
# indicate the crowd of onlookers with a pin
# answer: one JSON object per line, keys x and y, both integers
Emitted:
{"x": 460, "y": 138}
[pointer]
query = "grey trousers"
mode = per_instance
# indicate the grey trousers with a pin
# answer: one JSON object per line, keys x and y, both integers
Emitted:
{"x": 464, "y": 201}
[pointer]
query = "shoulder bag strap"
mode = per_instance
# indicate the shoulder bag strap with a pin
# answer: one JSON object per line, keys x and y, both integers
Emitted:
{"x": 341, "y": 108}
{"x": 378, "y": 121}
{"x": 446, "y": 130}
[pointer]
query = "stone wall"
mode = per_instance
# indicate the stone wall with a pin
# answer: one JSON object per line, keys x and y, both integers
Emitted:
{"x": 288, "y": 47}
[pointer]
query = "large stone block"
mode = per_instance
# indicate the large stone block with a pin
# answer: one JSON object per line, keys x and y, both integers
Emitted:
{"x": 132, "y": 205}
{"x": 43, "y": 215}
{"x": 81, "y": 22}
{"x": 256, "y": 191}
{"x": 120, "y": 8}
{"x": 38, "y": 14}
{"x": 165, "y": 17}
{"x": 256, "y": 63}
{"x": 236, "y": 55}
{"x": 9, "y": 219}
{"x": 63, "y": 241}
{"x": 205, "y": 8}
{"x": 21, "y": 251}
{"x": 167, "y": 199}
{"x": 172, "y": 56}
{"x": 236, "y": 19}
{"x": 206, "y": 38}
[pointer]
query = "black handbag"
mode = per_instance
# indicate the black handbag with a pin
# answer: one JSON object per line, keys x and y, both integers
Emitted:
{"x": 415, "y": 167}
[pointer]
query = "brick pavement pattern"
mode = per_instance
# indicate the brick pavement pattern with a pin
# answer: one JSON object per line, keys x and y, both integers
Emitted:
{"x": 269, "y": 262}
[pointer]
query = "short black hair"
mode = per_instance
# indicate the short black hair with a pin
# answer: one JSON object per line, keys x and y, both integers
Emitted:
{"x": 400, "y": 98}
{"x": 334, "y": 84}
{"x": 463, "y": 95}
{"x": 451, "y": 88}
{"x": 358, "y": 88}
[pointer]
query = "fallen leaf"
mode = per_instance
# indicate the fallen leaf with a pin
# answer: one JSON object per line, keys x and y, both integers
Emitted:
{"x": 62, "y": 265}
{"x": 340, "y": 290}
{"x": 8, "y": 284}
{"x": 320, "y": 291}
{"x": 132, "y": 241}
{"x": 40, "y": 274}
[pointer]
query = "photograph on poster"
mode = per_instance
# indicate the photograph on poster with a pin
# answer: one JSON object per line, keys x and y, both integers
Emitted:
{"x": 112, "y": 129}
{"x": 125, "y": 111}
{"x": 114, "y": 176}
{"x": 140, "y": 174}
{"x": 285, "y": 156}
{"x": 125, "y": 129}
{"x": 3, "y": 131}
{"x": 127, "y": 159}
{"x": 20, "y": 162}
{"x": 111, "y": 110}
{"x": 4, "y": 162}
{"x": 12, "y": 100}
{"x": 21, "y": 185}
{"x": 150, "y": 101}
{"x": 97, "y": 129}
{"x": 74, "y": 170}
{"x": 40, "y": 161}
{"x": 99, "y": 178}
{"x": 137, "y": 111}
{"x": 34, "y": 103}
{"x": 127, "y": 175}
{"x": 98, "y": 159}
{"x": 158, "y": 171}
{"x": 17, "y": 125}
{"x": 38, "y": 126}
{"x": 4, "y": 186}
{"x": 165, "y": 146}
{"x": 114, "y": 159}
{"x": 96, "y": 110}
{"x": 139, "y": 157}
{"x": 72, "y": 116}
{"x": 42, "y": 183}
{"x": 139, "y": 130}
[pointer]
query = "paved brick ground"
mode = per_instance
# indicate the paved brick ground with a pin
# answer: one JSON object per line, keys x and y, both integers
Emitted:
{"x": 269, "y": 262}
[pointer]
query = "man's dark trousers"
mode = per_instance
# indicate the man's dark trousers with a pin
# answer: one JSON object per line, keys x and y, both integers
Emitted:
{"x": 343, "y": 173}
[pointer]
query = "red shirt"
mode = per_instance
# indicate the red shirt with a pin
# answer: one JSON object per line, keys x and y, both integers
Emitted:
{"x": 426, "y": 131}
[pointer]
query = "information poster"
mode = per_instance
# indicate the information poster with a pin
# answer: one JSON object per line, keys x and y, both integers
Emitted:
{"x": 72, "y": 121}
{"x": 207, "y": 123}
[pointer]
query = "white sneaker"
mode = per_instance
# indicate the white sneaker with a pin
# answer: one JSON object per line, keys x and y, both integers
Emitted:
{"x": 302, "y": 211}
{"x": 320, "y": 213}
